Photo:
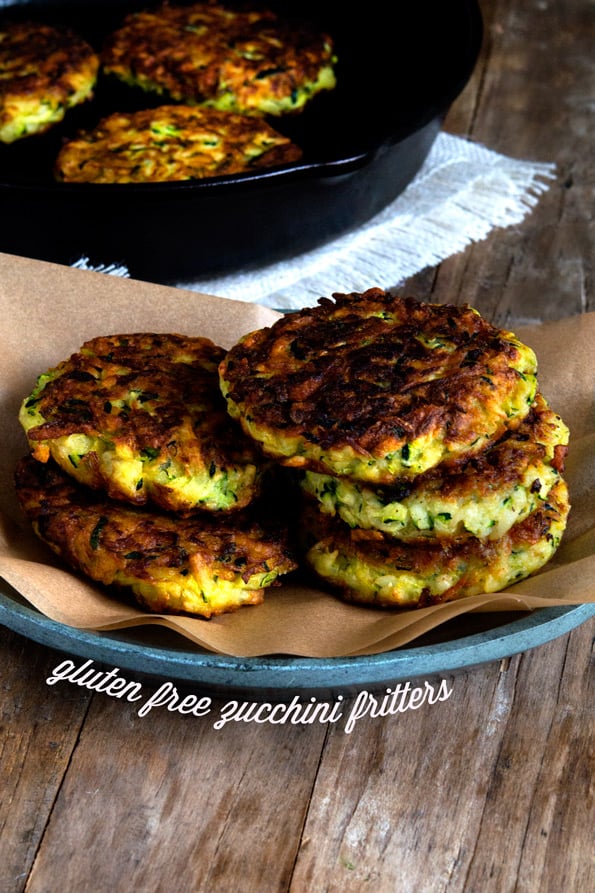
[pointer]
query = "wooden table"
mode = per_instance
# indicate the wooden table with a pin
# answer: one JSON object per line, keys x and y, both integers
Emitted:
{"x": 488, "y": 790}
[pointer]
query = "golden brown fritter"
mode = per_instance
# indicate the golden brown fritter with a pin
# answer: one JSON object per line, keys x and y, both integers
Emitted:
{"x": 235, "y": 60}
{"x": 172, "y": 142}
{"x": 201, "y": 565}
{"x": 482, "y": 496}
{"x": 141, "y": 415}
{"x": 378, "y": 388}
{"x": 379, "y": 570}
{"x": 44, "y": 71}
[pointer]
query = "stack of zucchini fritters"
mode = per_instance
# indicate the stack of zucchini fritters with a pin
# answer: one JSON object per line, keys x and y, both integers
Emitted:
{"x": 429, "y": 461}
{"x": 427, "y": 464}
{"x": 139, "y": 478}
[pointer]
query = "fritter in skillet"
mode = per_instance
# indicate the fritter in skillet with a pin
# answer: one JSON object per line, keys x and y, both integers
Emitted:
{"x": 141, "y": 415}
{"x": 376, "y": 569}
{"x": 200, "y": 565}
{"x": 483, "y": 496}
{"x": 234, "y": 60}
{"x": 44, "y": 71}
{"x": 172, "y": 142}
{"x": 378, "y": 388}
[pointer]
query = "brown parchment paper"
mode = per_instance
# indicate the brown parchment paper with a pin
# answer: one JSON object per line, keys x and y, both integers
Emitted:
{"x": 47, "y": 312}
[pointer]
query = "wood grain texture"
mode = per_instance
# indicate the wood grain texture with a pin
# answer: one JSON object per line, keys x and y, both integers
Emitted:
{"x": 37, "y": 736}
{"x": 150, "y": 799}
{"x": 529, "y": 99}
{"x": 489, "y": 791}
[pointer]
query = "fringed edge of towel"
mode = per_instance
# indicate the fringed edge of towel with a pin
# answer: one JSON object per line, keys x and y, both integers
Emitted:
{"x": 84, "y": 263}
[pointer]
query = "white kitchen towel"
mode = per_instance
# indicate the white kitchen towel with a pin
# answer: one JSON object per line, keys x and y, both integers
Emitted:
{"x": 462, "y": 192}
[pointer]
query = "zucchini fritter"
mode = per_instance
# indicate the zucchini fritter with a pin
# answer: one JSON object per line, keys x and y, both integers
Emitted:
{"x": 199, "y": 565}
{"x": 378, "y": 388}
{"x": 44, "y": 71}
{"x": 376, "y": 569}
{"x": 234, "y": 60}
{"x": 172, "y": 142}
{"x": 483, "y": 496}
{"x": 141, "y": 415}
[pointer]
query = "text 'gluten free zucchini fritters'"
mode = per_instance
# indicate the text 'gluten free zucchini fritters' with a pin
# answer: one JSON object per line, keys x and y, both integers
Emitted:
{"x": 141, "y": 416}
{"x": 376, "y": 388}
{"x": 172, "y": 142}
{"x": 238, "y": 60}
{"x": 201, "y": 565}
{"x": 44, "y": 71}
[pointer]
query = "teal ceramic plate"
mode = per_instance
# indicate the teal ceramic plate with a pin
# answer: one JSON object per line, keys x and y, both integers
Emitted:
{"x": 152, "y": 652}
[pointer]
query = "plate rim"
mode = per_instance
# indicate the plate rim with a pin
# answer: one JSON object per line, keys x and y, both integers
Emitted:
{"x": 286, "y": 675}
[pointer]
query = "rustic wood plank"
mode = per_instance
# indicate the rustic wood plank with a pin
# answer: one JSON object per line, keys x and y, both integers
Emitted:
{"x": 461, "y": 795}
{"x": 37, "y": 736}
{"x": 397, "y": 801}
{"x": 167, "y": 799}
{"x": 534, "y": 78}
{"x": 566, "y": 805}
{"x": 568, "y": 786}
{"x": 540, "y": 796}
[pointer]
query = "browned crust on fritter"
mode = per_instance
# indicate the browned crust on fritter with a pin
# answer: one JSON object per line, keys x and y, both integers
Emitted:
{"x": 105, "y": 540}
{"x": 172, "y": 142}
{"x": 339, "y": 375}
{"x": 105, "y": 370}
{"x": 500, "y": 465}
{"x": 39, "y": 60}
{"x": 192, "y": 52}
{"x": 178, "y": 410}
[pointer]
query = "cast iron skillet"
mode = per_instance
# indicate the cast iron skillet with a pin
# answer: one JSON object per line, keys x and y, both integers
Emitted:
{"x": 400, "y": 67}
